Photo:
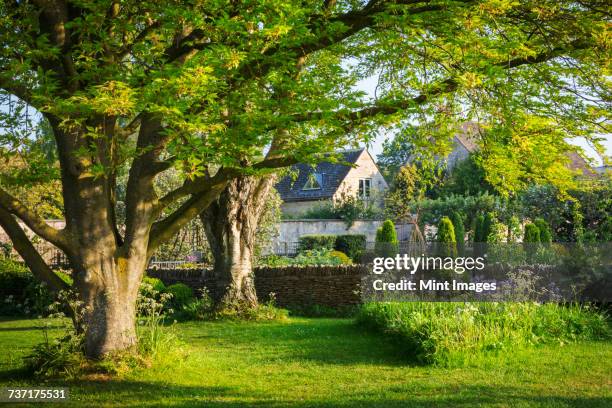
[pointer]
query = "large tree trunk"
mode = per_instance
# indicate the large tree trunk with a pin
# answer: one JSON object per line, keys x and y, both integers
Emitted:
{"x": 109, "y": 294}
{"x": 231, "y": 227}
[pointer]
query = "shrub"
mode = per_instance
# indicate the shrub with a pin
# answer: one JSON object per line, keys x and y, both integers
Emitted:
{"x": 531, "y": 240}
{"x": 386, "y": 239}
{"x": 455, "y": 333}
{"x": 156, "y": 284}
{"x": 181, "y": 295}
{"x": 545, "y": 235}
{"x": 478, "y": 228}
{"x": 323, "y": 257}
{"x": 62, "y": 356}
{"x": 14, "y": 277}
{"x": 316, "y": 242}
{"x": 351, "y": 245}
{"x": 342, "y": 257}
{"x": 532, "y": 233}
{"x": 488, "y": 226}
{"x": 457, "y": 221}
{"x": 446, "y": 238}
{"x": 20, "y": 292}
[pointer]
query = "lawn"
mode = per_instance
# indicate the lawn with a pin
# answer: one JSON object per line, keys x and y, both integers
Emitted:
{"x": 331, "y": 363}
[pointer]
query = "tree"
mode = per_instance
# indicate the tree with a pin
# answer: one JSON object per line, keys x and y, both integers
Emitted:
{"x": 397, "y": 152}
{"x": 226, "y": 90}
{"x": 451, "y": 79}
{"x": 468, "y": 177}
{"x": 231, "y": 223}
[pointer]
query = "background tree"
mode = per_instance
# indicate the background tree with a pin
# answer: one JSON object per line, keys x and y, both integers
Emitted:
{"x": 468, "y": 177}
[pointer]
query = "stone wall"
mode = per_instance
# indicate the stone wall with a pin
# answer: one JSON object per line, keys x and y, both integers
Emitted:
{"x": 290, "y": 231}
{"x": 332, "y": 286}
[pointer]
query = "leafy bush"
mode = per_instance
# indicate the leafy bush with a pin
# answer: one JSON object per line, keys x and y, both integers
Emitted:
{"x": 322, "y": 257}
{"x": 307, "y": 258}
{"x": 347, "y": 208}
{"x": 446, "y": 238}
{"x": 203, "y": 308}
{"x": 351, "y": 245}
{"x": 20, "y": 292}
{"x": 342, "y": 257}
{"x": 62, "y": 356}
{"x": 456, "y": 333}
{"x": 386, "y": 240}
{"x": 156, "y": 284}
{"x": 316, "y": 242}
{"x": 14, "y": 277}
{"x": 181, "y": 295}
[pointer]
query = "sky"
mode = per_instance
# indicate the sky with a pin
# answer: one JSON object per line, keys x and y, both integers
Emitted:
{"x": 368, "y": 85}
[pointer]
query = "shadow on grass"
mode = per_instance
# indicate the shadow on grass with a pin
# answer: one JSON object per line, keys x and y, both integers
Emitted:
{"x": 143, "y": 394}
{"x": 328, "y": 341}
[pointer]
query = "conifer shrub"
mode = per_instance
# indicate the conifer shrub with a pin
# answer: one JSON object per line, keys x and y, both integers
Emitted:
{"x": 531, "y": 239}
{"x": 386, "y": 240}
{"x": 479, "y": 229}
{"x": 488, "y": 226}
{"x": 447, "y": 244}
{"x": 545, "y": 235}
{"x": 457, "y": 220}
{"x": 532, "y": 234}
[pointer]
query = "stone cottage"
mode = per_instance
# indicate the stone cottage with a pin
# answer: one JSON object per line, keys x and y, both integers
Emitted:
{"x": 354, "y": 174}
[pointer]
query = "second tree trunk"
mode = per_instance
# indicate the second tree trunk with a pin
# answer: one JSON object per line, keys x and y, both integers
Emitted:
{"x": 231, "y": 226}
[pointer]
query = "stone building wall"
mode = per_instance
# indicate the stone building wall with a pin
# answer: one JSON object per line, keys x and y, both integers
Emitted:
{"x": 365, "y": 168}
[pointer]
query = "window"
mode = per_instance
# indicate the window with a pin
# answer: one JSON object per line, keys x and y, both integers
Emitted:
{"x": 314, "y": 182}
{"x": 365, "y": 188}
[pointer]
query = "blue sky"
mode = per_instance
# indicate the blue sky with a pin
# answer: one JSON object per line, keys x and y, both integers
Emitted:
{"x": 368, "y": 86}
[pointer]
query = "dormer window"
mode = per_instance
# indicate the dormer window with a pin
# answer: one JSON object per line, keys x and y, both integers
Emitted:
{"x": 365, "y": 187}
{"x": 314, "y": 182}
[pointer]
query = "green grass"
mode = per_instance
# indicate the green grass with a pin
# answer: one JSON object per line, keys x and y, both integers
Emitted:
{"x": 328, "y": 363}
{"x": 458, "y": 333}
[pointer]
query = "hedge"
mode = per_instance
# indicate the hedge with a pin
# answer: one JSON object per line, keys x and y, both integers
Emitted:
{"x": 316, "y": 242}
{"x": 352, "y": 245}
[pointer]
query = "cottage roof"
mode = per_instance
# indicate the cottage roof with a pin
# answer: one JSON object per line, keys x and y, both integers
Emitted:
{"x": 329, "y": 177}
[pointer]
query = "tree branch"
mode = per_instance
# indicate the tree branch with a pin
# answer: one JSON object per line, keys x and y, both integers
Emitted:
{"x": 446, "y": 86}
{"x": 164, "y": 229}
{"x": 34, "y": 221}
{"x": 26, "y": 250}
